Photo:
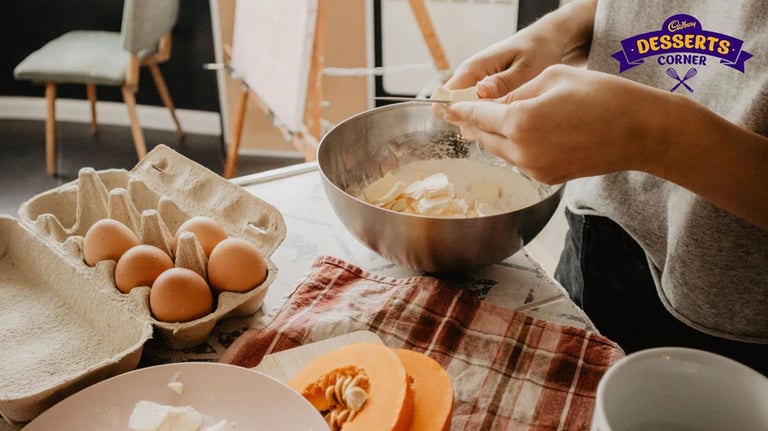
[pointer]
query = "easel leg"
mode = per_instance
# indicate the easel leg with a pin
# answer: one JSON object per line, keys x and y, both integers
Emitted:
{"x": 91, "y": 90}
{"x": 50, "y": 129}
{"x": 306, "y": 139}
{"x": 313, "y": 112}
{"x": 421, "y": 14}
{"x": 237, "y": 131}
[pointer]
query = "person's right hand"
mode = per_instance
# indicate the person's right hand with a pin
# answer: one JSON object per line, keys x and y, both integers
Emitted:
{"x": 561, "y": 36}
{"x": 506, "y": 65}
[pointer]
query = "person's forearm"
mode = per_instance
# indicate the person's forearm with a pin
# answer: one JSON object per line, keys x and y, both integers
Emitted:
{"x": 725, "y": 164}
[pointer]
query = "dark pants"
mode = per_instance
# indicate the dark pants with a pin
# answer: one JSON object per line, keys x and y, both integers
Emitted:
{"x": 606, "y": 273}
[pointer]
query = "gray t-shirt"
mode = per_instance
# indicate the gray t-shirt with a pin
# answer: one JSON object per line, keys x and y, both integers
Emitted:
{"x": 710, "y": 267}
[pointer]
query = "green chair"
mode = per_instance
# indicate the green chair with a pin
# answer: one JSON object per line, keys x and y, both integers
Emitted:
{"x": 106, "y": 58}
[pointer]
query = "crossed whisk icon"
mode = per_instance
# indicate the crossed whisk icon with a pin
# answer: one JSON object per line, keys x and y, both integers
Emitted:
{"x": 672, "y": 73}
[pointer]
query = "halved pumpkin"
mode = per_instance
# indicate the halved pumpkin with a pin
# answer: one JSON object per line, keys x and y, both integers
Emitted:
{"x": 432, "y": 391}
{"x": 360, "y": 386}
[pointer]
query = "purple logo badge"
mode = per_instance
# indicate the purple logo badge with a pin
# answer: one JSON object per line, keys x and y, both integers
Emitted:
{"x": 681, "y": 40}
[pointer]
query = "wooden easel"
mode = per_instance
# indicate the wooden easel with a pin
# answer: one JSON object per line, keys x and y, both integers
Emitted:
{"x": 307, "y": 138}
{"x": 434, "y": 46}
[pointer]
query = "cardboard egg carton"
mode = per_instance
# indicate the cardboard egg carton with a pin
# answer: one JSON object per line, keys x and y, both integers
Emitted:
{"x": 63, "y": 324}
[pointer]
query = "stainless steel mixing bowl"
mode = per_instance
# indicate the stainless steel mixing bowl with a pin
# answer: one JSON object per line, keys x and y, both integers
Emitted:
{"x": 364, "y": 147}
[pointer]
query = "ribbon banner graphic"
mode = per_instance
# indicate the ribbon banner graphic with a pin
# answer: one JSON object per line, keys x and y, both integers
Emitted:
{"x": 681, "y": 34}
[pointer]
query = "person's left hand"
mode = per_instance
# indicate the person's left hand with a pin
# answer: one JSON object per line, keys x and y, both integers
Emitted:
{"x": 568, "y": 123}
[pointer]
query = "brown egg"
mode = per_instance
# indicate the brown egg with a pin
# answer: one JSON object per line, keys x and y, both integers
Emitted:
{"x": 107, "y": 239}
{"x": 236, "y": 265}
{"x": 180, "y": 295}
{"x": 207, "y": 231}
{"x": 140, "y": 266}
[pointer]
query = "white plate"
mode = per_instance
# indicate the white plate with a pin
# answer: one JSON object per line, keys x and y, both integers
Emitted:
{"x": 247, "y": 398}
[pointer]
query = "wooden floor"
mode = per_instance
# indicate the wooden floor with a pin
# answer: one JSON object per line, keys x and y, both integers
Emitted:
{"x": 22, "y": 155}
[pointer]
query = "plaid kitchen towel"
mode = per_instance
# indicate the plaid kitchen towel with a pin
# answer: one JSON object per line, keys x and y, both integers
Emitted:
{"x": 509, "y": 371}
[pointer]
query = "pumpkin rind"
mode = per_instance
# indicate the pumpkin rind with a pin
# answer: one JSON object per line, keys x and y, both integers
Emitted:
{"x": 432, "y": 391}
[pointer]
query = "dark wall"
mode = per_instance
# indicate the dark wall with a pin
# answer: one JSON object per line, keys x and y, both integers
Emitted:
{"x": 27, "y": 25}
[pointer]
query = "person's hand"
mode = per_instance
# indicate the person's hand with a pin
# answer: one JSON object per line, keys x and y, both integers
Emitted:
{"x": 561, "y": 36}
{"x": 569, "y": 122}
{"x": 506, "y": 65}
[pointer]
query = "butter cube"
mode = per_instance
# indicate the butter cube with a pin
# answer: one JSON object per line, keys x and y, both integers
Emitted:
{"x": 485, "y": 209}
{"x": 464, "y": 95}
{"x": 441, "y": 93}
{"x": 384, "y": 189}
{"x": 433, "y": 206}
{"x": 224, "y": 425}
{"x": 437, "y": 185}
{"x": 150, "y": 416}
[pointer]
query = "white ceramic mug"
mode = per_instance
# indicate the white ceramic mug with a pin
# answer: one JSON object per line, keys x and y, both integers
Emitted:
{"x": 679, "y": 389}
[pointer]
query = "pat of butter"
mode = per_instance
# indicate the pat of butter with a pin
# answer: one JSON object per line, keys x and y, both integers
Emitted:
{"x": 384, "y": 189}
{"x": 434, "y": 206}
{"x": 150, "y": 416}
{"x": 433, "y": 186}
{"x": 398, "y": 205}
{"x": 437, "y": 185}
{"x": 457, "y": 208}
{"x": 464, "y": 95}
{"x": 441, "y": 93}
{"x": 461, "y": 95}
{"x": 224, "y": 425}
{"x": 484, "y": 209}
{"x": 177, "y": 387}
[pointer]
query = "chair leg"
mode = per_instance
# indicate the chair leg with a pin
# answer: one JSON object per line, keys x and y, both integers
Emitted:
{"x": 237, "y": 131}
{"x": 50, "y": 129}
{"x": 91, "y": 90}
{"x": 165, "y": 95}
{"x": 138, "y": 134}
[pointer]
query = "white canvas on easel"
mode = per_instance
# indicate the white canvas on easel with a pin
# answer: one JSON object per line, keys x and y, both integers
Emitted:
{"x": 272, "y": 51}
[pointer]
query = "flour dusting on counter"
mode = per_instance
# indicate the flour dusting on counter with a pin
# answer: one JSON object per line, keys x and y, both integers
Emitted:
{"x": 451, "y": 188}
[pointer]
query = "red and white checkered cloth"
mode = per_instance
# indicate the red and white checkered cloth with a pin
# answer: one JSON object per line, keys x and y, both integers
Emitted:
{"x": 509, "y": 371}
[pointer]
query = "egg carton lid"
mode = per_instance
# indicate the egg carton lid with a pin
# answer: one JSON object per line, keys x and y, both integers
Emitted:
{"x": 199, "y": 191}
{"x": 190, "y": 186}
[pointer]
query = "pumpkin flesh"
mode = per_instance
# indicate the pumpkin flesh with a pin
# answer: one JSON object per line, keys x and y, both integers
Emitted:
{"x": 381, "y": 376}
